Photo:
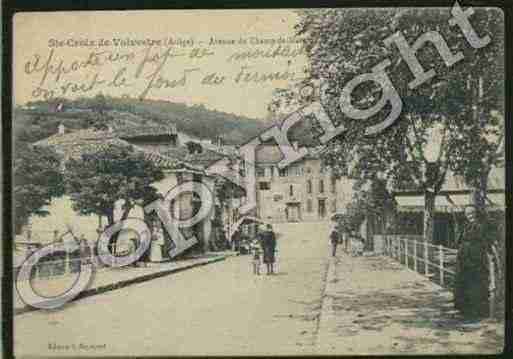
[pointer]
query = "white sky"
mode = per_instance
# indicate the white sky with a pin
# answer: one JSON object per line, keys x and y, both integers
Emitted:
{"x": 33, "y": 31}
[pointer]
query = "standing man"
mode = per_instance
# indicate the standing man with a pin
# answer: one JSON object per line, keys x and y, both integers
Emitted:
{"x": 334, "y": 239}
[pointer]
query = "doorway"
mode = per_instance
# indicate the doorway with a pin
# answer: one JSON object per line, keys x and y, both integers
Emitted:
{"x": 322, "y": 208}
{"x": 292, "y": 212}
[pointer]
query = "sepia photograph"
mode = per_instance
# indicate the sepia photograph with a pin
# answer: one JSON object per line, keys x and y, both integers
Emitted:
{"x": 259, "y": 182}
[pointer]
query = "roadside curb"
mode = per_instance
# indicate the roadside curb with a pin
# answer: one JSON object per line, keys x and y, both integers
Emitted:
{"x": 326, "y": 312}
{"x": 124, "y": 283}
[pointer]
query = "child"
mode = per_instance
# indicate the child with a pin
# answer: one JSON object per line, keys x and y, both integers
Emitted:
{"x": 256, "y": 258}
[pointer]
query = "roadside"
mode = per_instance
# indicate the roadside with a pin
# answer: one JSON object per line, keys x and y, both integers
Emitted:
{"x": 222, "y": 309}
{"x": 107, "y": 279}
{"x": 373, "y": 305}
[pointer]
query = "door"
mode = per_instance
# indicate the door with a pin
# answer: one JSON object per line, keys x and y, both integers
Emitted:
{"x": 322, "y": 208}
{"x": 292, "y": 213}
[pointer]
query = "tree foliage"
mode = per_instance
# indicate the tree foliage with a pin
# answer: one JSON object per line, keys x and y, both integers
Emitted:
{"x": 95, "y": 182}
{"x": 196, "y": 120}
{"x": 37, "y": 179}
{"x": 416, "y": 152}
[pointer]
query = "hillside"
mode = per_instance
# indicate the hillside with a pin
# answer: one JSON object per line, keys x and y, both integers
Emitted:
{"x": 40, "y": 119}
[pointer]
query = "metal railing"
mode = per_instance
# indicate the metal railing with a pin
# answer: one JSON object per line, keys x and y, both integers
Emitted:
{"x": 433, "y": 261}
{"x": 55, "y": 268}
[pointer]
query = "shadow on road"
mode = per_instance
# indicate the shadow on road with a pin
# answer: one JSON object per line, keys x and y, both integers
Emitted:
{"x": 410, "y": 306}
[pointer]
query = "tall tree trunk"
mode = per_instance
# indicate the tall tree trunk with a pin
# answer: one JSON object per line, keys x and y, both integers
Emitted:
{"x": 429, "y": 215}
{"x": 110, "y": 222}
{"x": 110, "y": 217}
{"x": 480, "y": 191}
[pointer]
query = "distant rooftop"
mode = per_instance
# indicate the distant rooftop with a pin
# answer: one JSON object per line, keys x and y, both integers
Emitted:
{"x": 76, "y": 143}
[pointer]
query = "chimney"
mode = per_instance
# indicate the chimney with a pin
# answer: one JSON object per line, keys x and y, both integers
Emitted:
{"x": 61, "y": 129}
{"x": 110, "y": 129}
{"x": 295, "y": 145}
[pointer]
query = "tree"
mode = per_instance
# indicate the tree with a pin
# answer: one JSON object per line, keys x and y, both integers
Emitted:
{"x": 95, "y": 182}
{"x": 414, "y": 153}
{"x": 461, "y": 108}
{"x": 476, "y": 101}
{"x": 368, "y": 204}
{"x": 37, "y": 179}
{"x": 476, "y": 141}
{"x": 100, "y": 108}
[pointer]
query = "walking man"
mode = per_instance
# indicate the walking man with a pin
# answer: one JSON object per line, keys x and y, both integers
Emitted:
{"x": 334, "y": 239}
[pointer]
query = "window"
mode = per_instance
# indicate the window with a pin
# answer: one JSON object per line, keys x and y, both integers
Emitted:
{"x": 308, "y": 170}
{"x": 260, "y": 171}
{"x": 321, "y": 186}
{"x": 321, "y": 169}
{"x": 264, "y": 186}
{"x": 309, "y": 186}
{"x": 277, "y": 197}
{"x": 309, "y": 205}
{"x": 282, "y": 172}
{"x": 291, "y": 190}
{"x": 333, "y": 185}
{"x": 334, "y": 205}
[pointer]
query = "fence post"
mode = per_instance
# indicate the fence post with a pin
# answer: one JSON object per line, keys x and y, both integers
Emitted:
{"x": 406, "y": 252}
{"x": 441, "y": 250}
{"x": 399, "y": 250}
{"x": 67, "y": 264}
{"x": 415, "y": 254}
{"x": 426, "y": 258}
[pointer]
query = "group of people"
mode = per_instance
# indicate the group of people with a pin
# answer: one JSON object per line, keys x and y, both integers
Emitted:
{"x": 350, "y": 243}
{"x": 264, "y": 248}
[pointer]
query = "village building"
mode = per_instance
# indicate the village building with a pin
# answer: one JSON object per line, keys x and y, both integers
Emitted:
{"x": 450, "y": 203}
{"x": 181, "y": 157}
{"x": 305, "y": 190}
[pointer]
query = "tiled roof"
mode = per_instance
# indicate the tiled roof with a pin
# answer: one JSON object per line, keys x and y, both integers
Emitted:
{"x": 203, "y": 159}
{"x": 140, "y": 131}
{"x": 76, "y": 143}
{"x": 167, "y": 162}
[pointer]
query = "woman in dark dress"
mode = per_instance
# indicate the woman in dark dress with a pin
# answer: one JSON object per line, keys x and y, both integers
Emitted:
{"x": 268, "y": 242}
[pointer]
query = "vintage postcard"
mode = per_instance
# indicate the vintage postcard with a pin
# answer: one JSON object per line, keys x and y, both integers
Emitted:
{"x": 259, "y": 182}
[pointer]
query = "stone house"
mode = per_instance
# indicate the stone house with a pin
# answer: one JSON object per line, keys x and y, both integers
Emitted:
{"x": 159, "y": 144}
{"x": 303, "y": 191}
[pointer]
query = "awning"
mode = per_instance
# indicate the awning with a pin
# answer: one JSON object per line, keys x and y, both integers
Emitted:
{"x": 243, "y": 220}
{"x": 445, "y": 203}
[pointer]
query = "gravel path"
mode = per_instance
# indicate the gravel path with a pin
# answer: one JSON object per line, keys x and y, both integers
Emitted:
{"x": 220, "y": 309}
{"x": 373, "y": 305}
{"x": 314, "y": 305}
